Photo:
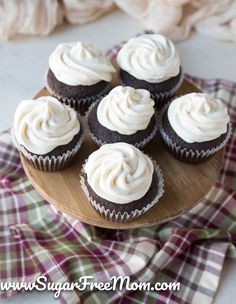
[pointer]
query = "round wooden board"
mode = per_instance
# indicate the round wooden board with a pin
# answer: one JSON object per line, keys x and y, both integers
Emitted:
{"x": 185, "y": 184}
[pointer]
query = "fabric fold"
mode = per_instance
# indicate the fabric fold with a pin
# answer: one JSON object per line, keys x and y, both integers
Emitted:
{"x": 176, "y": 18}
{"x": 22, "y": 17}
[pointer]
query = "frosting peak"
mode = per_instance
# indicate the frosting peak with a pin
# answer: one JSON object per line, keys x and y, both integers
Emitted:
{"x": 151, "y": 57}
{"x": 78, "y": 63}
{"x": 126, "y": 110}
{"x": 44, "y": 124}
{"x": 198, "y": 117}
{"x": 119, "y": 173}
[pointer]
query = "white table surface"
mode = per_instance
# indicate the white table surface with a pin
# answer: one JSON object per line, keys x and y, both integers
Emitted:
{"x": 23, "y": 63}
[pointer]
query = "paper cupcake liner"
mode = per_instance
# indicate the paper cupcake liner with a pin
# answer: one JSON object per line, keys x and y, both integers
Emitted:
{"x": 163, "y": 97}
{"x": 188, "y": 155}
{"x": 100, "y": 142}
{"x": 113, "y": 215}
{"x": 52, "y": 163}
{"x": 81, "y": 105}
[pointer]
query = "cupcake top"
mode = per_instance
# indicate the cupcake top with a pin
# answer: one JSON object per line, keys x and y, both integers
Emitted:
{"x": 151, "y": 57}
{"x": 126, "y": 110}
{"x": 43, "y": 124}
{"x": 198, "y": 117}
{"x": 119, "y": 173}
{"x": 78, "y": 63}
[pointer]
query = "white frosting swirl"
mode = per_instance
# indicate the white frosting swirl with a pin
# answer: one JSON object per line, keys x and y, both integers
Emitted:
{"x": 119, "y": 173}
{"x": 151, "y": 57}
{"x": 197, "y": 117}
{"x": 43, "y": 124}
{"x": 126, "y": 110}
{"x": 77, "y": 63}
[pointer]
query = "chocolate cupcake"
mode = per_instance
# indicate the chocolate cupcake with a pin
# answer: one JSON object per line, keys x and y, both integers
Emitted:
{"x": 47, "y": 133}
{"x": 151, "y": 62}
{"x": 124, "y": 115}
{"x": 121, "y": 182}
{"x": 78, "y": 75}
{"x": 195, "y": 126}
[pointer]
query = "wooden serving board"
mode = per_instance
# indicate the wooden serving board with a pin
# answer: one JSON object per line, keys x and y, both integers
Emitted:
{"x": 185, "y": 184}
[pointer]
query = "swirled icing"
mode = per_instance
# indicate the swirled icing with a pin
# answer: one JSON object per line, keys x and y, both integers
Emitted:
{"x": 150, "y": 57}
{"x": 126, "y": 110}
{"x": 43, "y": 124}
{"x": 119, "y": 173}
{"x": 77, "y": 63}
{"x": 197, "y": 117}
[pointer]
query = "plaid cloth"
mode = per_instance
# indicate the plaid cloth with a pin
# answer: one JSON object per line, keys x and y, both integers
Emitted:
{"x": 36, "y": 239}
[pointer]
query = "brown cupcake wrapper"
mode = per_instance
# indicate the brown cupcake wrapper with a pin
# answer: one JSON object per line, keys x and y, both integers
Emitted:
{"x": 113, "y": 215}
{"x": 81, "y": 105}
{"x": 188, "y": 155}
{"x": 162, "y": 98}
{"x": 138, "y": 145}
{"x": 52, "y": 163}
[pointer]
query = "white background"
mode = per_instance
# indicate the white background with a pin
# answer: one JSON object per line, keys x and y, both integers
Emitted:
{"x": 24, "y": 60}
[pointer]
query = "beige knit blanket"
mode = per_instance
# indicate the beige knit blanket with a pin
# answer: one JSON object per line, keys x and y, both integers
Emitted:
{"x": 174, "y": 18}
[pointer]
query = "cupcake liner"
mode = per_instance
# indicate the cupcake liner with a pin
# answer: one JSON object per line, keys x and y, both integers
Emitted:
{"x": 138, "y": 145}
{"x": 188, "y": 155}
{"x": 118, "y": 216}
{"x": 163, "y": 97}
{"x": 52, "y": 163}
{"x": 81, "y": 105}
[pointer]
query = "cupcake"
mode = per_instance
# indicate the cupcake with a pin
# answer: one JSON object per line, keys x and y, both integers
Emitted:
{"x": 78, "y": 74}
{"x": 195, "y": 126}
{"x": 121, "y": 182}
{"x": 47, "y": 133}
{"x": 151, "y": 62}
{"x": 124, "y": 115}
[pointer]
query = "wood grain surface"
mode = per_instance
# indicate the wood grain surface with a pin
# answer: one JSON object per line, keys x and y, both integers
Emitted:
{"x": 185, "y": 184}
